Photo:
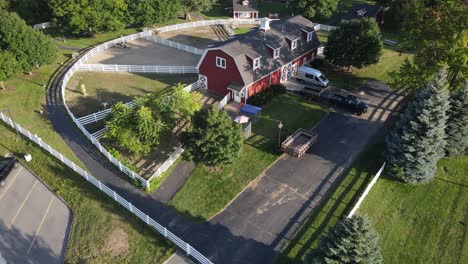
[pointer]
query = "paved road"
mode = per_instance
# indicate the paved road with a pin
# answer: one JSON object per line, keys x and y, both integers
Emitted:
{"x": 255, "y": 224}
{"x": 34, "y": 222}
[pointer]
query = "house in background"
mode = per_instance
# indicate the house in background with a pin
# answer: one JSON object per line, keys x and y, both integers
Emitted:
{"x": 245, "y": 65}
{"x": 359, "y": 11}
{"x": 244, "y": 9}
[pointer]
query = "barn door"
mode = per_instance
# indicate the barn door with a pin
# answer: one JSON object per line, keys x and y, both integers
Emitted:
{"x": 286, "y": 72}
{"x": 203, "y": 81}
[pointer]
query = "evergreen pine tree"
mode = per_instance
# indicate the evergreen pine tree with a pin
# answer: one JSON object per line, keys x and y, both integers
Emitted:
{"x": 417, "y": 141}
{"x": 212, "y": 139}
{"x": 457, "y": 123}
{"x": 352, "y": 240}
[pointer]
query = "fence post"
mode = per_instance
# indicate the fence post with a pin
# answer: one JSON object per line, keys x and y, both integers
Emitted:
{"x": 189, "y": 249}
{"x": 165, "y": 232}
{"x": 86, "y": 175}
{"x": 73, "y": 165}
{"x": 147, "y": 219}
{"x": 130, "y": 206}
{"x": 100, "y": 185}
{"x": 115, "y": 196}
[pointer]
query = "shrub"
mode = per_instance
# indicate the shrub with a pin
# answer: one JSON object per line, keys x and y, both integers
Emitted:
{"x": 317, "y": 63}
{"x": 267, "y": 95}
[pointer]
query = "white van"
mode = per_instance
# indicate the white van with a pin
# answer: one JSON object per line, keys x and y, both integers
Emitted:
{"x": 313, "y": 76}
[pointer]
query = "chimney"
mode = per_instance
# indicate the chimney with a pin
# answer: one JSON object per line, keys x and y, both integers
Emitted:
{"x": 265, "y": 24}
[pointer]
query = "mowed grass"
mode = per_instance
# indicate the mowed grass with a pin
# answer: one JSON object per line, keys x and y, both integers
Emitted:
{"x": 102, "y": 230}
{"x": 116, "y": 87}
{"x": 282, "y": 9}
{"x": 423, "y": 223}
{"x": 334, "y": 206}
{"x": 352, "y": 80}
{"x": 206, "y": 193}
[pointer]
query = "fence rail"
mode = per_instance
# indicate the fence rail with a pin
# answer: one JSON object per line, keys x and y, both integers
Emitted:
{"x": 43, "y": 25}
{"x": 324, "y": 27}
{"x": 224, "y": 101}
{"x": 366, "y": 191}
{"x": 137, "y": 68}
{"x": 187, "y": 248}
{"x": 176, "y": 45}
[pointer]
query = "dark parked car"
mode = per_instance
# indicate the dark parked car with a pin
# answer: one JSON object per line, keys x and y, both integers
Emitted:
{"x": 348, "y": 102}
{"x": 6, "y": 165}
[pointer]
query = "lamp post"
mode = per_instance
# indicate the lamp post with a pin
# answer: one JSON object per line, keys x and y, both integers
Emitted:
{"x": 280, "y": 126}
{"x": 27, "y": 156}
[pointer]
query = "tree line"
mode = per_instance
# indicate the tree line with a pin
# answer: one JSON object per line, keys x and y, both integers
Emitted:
{"x": 21, "y": 47}
{"x": 79, "y": 17}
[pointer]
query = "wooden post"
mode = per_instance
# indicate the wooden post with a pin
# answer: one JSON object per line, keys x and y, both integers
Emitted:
{"x": 83, "y": 89}
{"x": 2, "y": 85}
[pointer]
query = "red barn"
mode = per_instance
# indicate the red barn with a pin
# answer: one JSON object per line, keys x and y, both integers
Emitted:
{"x": 249, "y": 63}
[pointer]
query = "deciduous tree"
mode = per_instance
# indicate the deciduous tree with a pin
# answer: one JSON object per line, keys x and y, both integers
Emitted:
{"x": 147, "y": 12}
{"x": 457, "y": 124}
{"x": 197, "y": 6}
{"x": 352, "y": 240}
{"x": 212, "y": 139}
{"x": 357, "y": 43}
{"x": 8, "y": 66}
{"x": 317, "y": 8}
{"x": 417, "y": 141}
{"x": 182, "y": 105}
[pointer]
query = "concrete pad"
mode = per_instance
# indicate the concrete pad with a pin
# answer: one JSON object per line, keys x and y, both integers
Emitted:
{"x": 34, "y": 222}
{"x": 145, "y": 52}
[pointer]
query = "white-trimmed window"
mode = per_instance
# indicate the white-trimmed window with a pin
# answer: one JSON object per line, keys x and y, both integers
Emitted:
{"x": 256, "y": 63}
{"x": 276, "y": 53}
{"x": 309, "y": 36}
{"x": 220, "y": 62}
{"x": 294, "y": 44}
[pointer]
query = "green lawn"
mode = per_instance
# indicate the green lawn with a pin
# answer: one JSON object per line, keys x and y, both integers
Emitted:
{"x": 242, "y": 30}
{"x": 102, "y": 230}
{"x": 216, "y": 12}
{"x": 204, "y": 193}
{"x": 352, "y": 80}
{"x": 116, "y": 87}
{"x": 423, "y": 223}
{"x": 323, "y": 36}
{"x": 335, "y": 205}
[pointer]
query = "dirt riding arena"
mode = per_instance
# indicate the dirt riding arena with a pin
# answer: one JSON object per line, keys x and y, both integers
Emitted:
{"x": 145, "y": 52}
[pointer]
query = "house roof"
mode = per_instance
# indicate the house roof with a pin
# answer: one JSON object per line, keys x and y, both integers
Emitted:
{"x": 257, "y": 42}
{"x": 359, "y": 11}
{"x": 238, "y": 6}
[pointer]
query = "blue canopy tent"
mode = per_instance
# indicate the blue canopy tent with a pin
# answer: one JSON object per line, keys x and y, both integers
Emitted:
{"x": 250, "y": 111}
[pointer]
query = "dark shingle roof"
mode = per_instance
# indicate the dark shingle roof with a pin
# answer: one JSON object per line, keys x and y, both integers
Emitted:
{"x": 237, "y": 5}
{"x": 255, "y": 44}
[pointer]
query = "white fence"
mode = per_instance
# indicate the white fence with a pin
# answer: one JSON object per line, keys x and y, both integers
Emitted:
{"x": 168, "y": 163}
{"x": 224, "y": 101}
{"x": 111, "y": 193}
{"x": 324, "y": 27}
{"x": 137, "y": 68}
{"x": 176, "y": 45}
{"x": 366, "y": 191}
{"x": 43, "y": 25}
{"x": 96, "y": 50}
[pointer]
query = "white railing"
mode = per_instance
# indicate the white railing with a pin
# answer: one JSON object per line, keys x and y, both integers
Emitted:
{"x": 175, "y": 45}
{"x": 366, "y": 191}
{"x": 96, "y": 50}
{"x": 229, "y": 30}
{"x": 99, "y": 134}
{"x": 137, "y": 68}
{"x": 324, "y": 27}
{"x": 43, "y": 25}
{"x": 111, "y": 193}
{"x": 224, "y": 101}
{"x": 168, "y": 163}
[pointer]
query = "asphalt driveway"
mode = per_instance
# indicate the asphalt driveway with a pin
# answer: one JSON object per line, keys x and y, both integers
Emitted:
{"x": 34, "y": 222}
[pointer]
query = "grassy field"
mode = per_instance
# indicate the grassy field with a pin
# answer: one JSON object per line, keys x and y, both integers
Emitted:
{"x": 390, "y": 61}
{"x": 115, "y": 87}
{"x": 102, "y": 231}
{"x": 334, "y": 206}
{"x": 204, "y": 193}
{"x": 423, "y": 223}
{"x": 266, "y": 8}
{"x": 216, "y": 12}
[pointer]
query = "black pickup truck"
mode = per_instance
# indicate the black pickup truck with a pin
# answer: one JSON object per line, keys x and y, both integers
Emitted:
{"x": 349, "y": 102}
{"x": 6, "y": 165}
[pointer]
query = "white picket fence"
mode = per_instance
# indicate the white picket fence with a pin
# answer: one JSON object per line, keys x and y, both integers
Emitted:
{"x": 324, "y": 27}
{"x": 111, "y": 193}
{"x": 366, "y": 191}
{"x": 175, "y": 45}
{"x": 168, "y": 163}
{"x": 137, "y": 68}
{"x": 80, "y": 65}
{"x": 43, "y": 25}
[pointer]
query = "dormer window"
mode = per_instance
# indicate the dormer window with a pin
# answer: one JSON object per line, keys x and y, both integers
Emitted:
{"x": 256, "y": 64}
{"x": 276, "y": 53}
{"x": 294, "y": 44}
{"x": 220, "y": 62}
{"x": 309, "y": 36}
